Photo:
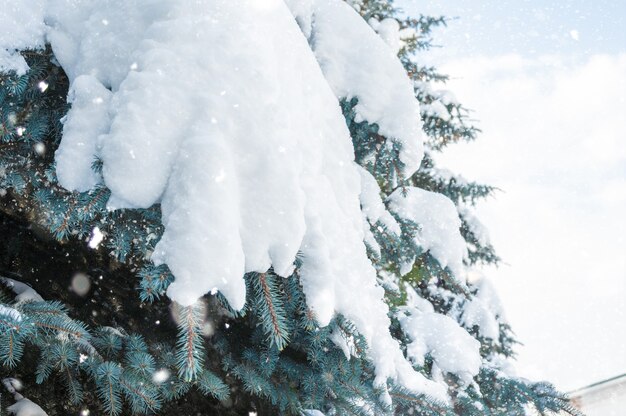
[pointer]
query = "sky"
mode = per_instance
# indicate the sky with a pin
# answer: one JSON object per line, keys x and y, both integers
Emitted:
{"x": 546, "y": 81}
{"x": 527, "y": 27}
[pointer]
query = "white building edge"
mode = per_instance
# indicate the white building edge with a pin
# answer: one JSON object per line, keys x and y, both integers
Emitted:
{"x": 604, "y": 398}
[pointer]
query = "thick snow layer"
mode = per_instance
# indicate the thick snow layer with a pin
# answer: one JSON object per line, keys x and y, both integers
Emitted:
{"x": 247, "y": 152}
{"x": 101, "y": 38}
{"x": 389, "y": 31}
{"x": 302, "y": 10}
{"x": 22, "y": 27}
{"x": 439, "y": 225}
{"x": 358, "y": 63}
{"x": 453, "y": 349}
{"x": 88, "y": 119}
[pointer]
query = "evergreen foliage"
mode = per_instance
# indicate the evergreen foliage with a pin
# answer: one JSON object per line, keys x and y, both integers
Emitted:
{"x": 271, "y": 357}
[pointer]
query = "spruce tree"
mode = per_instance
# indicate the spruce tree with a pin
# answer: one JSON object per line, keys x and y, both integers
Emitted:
{"x": 86, "y": 323}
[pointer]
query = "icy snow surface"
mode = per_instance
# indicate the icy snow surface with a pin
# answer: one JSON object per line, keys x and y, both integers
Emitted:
{"x": 439, "y": 225}
{"x": 247, "y": 152}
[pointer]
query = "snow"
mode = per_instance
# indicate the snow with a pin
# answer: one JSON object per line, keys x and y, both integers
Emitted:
{"x": 484, "y": 310}
{"x": 22, "y": 28}
{"x": 248, "y": 153}
{"x": 475, "y": 226}
{"x": 453, "y": 349}
{"x": 372, "y": 204}
{"x": 24, "y": 407}
{"x": 339, "y": 339}
{"x": 369, "y": 239}
{"x": 10, "y": 61}
{"x": 88, "y": 119}
{"x": 312, "y": 412}
{"x": 100, "y": 39}
{"x": 436, "y": 109}
{"x": 440, "y": 100}
{"x": 439, "y": 225}
{"x": 96, "y": 238}
{"x": 388, "y": 280}
{"x": 114, "y": 331}
{"x": 23, "y": 292}
{"x": 302, "y": 10}
{"x": 11, "y": 313}
{"x": 150, "y": 152}
{"x": 389, "y": 31}
{"x": 358, "y": 63}
{"x": 12, "y": 384}
{"x": 447, "y": 175}
{"x": 161, "y": 376}
{"x": 446, "y": 97}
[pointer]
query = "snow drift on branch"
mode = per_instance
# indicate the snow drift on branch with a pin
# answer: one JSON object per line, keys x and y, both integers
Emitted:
{"x": 358, "y": 63}
{"x": 439, "y": 226}
{"x": 451, "y": 347}
{"x": 227, "y": 114}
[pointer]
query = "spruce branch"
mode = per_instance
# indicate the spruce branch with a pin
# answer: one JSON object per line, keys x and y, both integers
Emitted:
{"x": 190, "y": 345}
{"x": 269, "y": 308}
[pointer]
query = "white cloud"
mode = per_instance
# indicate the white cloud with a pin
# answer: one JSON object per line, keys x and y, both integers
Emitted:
{"x": 555, "y": 141}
